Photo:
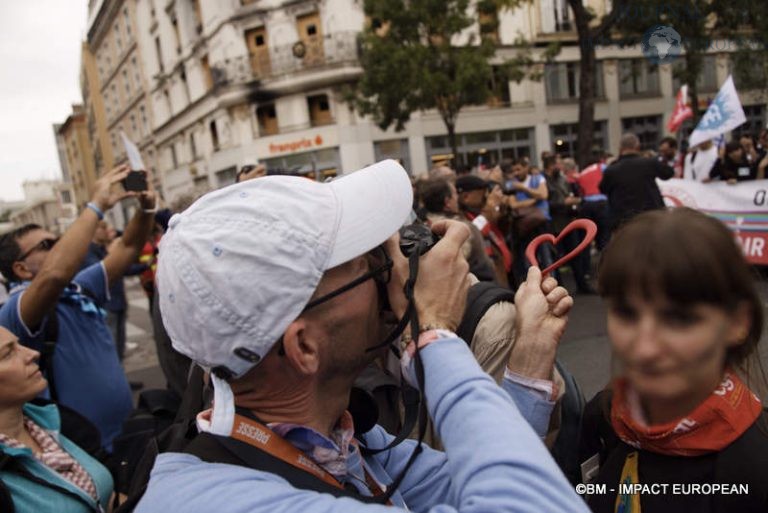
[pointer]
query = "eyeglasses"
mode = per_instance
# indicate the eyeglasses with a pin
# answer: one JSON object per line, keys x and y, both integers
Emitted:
{"x": 43, "y": 245}
{"x": 381, "y": 272}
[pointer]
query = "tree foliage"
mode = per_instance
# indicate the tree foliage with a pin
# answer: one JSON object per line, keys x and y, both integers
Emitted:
{"x": 419, "y": 55}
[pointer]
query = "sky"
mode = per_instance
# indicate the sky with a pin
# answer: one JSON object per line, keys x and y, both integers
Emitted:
{"x": 39, "y": 81}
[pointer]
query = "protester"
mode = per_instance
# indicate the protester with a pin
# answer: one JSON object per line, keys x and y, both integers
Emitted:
{"x": 474, "y": 195}
{"x": 250, "y": 171}
{"x": 3, "y": 290}
{"x": 86, "y": 371}
{"x": 630, "y": 182}
{"x": 441, "y": 201}
{"x": 700, "y": 161}
{"x": 309, "y": 259}
{"x": 736, "y": 167}
{"x": 668, "y": 152}
{"x": 563, "y": 206}
{"x": 527, "y": 197}
{"x": 747, "y": 143}
{"x": 71, "y": 481}
{"x": 684, "y": 321}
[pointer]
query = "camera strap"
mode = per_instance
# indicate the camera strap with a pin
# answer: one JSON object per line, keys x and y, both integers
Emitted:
{"x": 415, "y": 402}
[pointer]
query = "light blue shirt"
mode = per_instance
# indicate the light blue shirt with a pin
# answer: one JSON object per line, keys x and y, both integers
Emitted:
{"x": 493, "y": 460}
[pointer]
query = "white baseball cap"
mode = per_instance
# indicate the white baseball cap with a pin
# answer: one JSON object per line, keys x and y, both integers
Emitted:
{"x": 239, "y": 265}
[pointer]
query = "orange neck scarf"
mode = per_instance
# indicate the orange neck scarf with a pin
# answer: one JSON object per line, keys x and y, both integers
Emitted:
{"x": 722, "y": 418}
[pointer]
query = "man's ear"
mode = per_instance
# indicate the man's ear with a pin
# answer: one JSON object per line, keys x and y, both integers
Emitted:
{"x": 21, "y": 271}
{"x": 302, "y": 347}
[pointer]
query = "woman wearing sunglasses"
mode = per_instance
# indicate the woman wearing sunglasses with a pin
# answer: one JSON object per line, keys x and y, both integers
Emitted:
{"x": 40, "y": 469}
{"x": 681, "y": 424}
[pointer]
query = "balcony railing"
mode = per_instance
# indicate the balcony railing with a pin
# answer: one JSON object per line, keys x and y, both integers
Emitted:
{"x": 336, "y": 48}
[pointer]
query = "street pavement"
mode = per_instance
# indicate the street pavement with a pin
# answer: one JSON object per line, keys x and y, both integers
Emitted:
{"x": 584, "y": 350}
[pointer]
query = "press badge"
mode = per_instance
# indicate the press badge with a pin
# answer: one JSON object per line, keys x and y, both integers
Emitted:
{"x": 743, "y": 171}
{"x": 590, "y": 468}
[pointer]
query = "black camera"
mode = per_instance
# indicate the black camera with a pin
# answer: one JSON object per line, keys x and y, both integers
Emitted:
{"x": 135, "y": 181}
{"x": 417, "y": 237}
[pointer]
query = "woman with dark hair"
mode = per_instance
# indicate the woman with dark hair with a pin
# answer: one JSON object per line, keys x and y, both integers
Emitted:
{"x": 40, "y": 469}
{"x": 734, "y": 166}
{"x": 682, "y": 416}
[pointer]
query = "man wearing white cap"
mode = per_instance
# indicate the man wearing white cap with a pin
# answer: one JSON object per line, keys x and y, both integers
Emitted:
{"x": 277, "y": 286}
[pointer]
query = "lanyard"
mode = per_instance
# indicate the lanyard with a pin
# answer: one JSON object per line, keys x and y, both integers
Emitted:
{"x": 254, "y": 433}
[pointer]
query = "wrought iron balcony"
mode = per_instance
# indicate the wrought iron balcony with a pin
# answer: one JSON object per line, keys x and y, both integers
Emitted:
{"x": 336, "y": 48}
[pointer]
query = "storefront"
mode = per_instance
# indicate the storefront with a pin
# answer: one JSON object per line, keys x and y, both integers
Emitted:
{"x": 485, "y": 148}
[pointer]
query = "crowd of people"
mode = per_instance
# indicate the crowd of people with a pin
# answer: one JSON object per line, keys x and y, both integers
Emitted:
{"x": 335, "y": 342}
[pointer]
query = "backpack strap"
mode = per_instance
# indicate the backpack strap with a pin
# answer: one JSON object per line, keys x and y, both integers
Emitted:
{"x": 222, "y": 449}
{"x": 12, "y": 464}
{"x": 481, "y": 297}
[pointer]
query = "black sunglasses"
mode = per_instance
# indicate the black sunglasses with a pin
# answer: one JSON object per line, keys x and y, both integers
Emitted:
{"x": 43, "y": 245}
{"x": 381, "y": 272}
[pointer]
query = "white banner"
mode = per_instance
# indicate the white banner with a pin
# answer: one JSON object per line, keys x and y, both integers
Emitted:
{"x": 723, "y": 115}
{"x": 742, "y": 207}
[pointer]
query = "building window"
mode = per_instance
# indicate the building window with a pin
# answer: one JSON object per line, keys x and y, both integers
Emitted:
{"x": 319, "y": 110}
{"x": 159, "y": 53}
{"x": 127, "y": 19}
{"x": 565, "y": 138}
{"x": 107, "y": 106}
{"x": 638, "y": 77}
{"x": 318, "y": 164}
{"x": 134, "y": 128}
{"x": 214, "y": 135}
{"x": 144, "y": 120}
{"x": 485, "y": 148}
{"x": 706, "y": 81}
{"x": 127, "y": 82}
{"x": 226, "y": 176}
{"x": 136, "y": 72}
{"x": 647, "y": 128}
{"x": 267, "y": 118}
{"x": 175, "y": 24}
{"x": 256, "y": 41}
{"x": 115, "y": 98}
{"x": 556, "y": 17}
{"x": 174, "y": 158}
{"x": 192, "y": 145}
{"x": 499, "y": 87}
{"x": 66, "y": 197}
{"x": 207, "y": 76}
{"x": 396, "y": 149}
{"x": 118, "y": 40}
{"x": 168, "y": 104}
{"x": 488, "y": 21}
{"x": 562, "y": 81}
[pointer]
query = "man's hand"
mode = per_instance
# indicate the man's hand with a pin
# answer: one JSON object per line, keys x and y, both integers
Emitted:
{"x": 105, "y": 196}
{"x": 443, "y": 280}
{"x": 148, "y": 199}
{"x": 542, "y": 314}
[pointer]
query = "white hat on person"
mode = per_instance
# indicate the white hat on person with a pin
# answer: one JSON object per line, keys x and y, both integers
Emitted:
{"x": 239, "y": 265}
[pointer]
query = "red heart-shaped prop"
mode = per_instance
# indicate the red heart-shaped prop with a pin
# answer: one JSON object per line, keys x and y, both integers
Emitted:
{"x": 578, "y": 224}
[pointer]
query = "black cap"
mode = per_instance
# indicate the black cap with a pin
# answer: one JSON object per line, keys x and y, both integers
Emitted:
{"x": 468, "y": 183}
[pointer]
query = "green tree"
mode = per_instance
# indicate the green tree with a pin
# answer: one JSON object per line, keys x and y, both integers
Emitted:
{"x": 747, "y": 27}
{"x": 419, "y": 55}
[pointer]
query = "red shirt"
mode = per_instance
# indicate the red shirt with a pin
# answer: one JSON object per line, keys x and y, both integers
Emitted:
{"x": 589, "y": 179}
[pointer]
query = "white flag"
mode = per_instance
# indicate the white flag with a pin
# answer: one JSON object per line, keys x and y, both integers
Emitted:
{"x": 133, "y": 154}
{"x": 724, "y": 114}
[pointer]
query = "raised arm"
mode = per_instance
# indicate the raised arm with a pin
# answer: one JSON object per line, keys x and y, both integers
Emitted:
{"x": 65, "y": 258}
{"x": 124, "y": 250}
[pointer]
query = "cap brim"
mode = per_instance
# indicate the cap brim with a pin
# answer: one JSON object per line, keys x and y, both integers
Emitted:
{"x": 374, "y": 204}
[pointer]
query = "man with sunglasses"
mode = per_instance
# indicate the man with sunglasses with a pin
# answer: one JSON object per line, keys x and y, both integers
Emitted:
{"x": 45, "y": 271}
{"x": 277, "y": 287}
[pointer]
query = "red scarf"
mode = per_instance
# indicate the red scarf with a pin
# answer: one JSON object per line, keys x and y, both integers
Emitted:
{"x": 722, "y": 418}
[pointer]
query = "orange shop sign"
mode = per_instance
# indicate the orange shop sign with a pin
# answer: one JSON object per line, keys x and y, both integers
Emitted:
{"x": 305, "y": 143}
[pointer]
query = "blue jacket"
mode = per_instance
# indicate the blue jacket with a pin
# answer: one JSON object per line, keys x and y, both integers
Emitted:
{"x": 30, "y": 497}
{"x": 493, "y": 460}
